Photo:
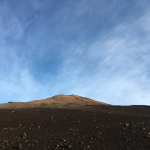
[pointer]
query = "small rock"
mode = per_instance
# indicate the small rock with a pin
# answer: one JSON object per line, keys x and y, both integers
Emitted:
{"x": 20, "y": 146}
{"x": 36, "y": 142}
{"x": 148, "y": 135}
{"x": 24, "y": 134}
{"x": 69, "y": 146}
{"x": 126, "y": 124}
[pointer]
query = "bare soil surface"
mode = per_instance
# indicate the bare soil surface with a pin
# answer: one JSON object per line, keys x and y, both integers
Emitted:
{"x": 91, "y": 127}
{"x": 75, "y": 127}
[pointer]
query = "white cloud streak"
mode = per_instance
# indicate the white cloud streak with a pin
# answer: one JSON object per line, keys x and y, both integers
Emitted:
{"x": 119, "y": 74}
{"x": 112, "y": 67}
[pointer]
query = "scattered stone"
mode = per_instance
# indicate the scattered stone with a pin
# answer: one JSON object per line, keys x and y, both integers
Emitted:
{"x": 126, "y": 124}
{"x": 69, "y": 146}
{"x": 36, "y": 142}
{"x": 51, "y": 118}
{"x": 148, "y": 135}
{"x": 20, "y": 146}
{"x": 24, "y": 135}
{"x": 4, "y": 128}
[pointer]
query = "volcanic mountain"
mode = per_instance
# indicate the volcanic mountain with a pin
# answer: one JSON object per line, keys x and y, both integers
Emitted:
{"x": 64, "y": 101}
{"x": 71, "y": 122}
{"x": 69, "y": 99}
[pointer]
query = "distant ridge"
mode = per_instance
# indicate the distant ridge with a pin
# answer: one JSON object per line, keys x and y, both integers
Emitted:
{"x": 65, "y": 99}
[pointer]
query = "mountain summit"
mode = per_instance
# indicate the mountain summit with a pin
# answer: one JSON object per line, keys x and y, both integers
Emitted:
{"x": 69, "y": 99}
{"x": 65, "y": 101}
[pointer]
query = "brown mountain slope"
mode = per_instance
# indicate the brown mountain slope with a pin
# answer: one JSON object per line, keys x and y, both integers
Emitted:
{"x": 64, "y": 101}
{"x": 69, "y": 99}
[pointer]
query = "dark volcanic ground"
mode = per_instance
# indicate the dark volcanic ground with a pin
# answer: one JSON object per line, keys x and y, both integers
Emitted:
{"x": 93, "y": 128}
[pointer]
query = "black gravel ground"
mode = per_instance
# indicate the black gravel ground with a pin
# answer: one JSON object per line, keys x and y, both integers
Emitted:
{"x": 91, "y": 128}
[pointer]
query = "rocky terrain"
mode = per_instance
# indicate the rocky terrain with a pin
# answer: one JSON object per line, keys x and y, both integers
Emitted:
{"x": 73, "y": 125}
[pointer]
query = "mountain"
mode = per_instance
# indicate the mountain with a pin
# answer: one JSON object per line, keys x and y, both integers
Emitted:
{"x": 69, "y": 99}
{"x": 64, "y": 101}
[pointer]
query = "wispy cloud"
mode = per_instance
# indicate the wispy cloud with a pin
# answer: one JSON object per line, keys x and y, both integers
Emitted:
{"x": 94, "y": 49}
{"x": 117, "y": 66}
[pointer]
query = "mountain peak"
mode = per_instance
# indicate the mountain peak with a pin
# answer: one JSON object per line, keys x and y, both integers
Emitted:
{"x": 67, "y": 99}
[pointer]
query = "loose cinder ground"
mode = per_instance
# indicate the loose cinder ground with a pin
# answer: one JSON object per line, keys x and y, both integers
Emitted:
{"x": 73, "y": 122}
{"x": 89, "y": 128}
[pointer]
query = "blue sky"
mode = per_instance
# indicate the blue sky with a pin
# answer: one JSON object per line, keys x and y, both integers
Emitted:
{"x": 92, "y": 48}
